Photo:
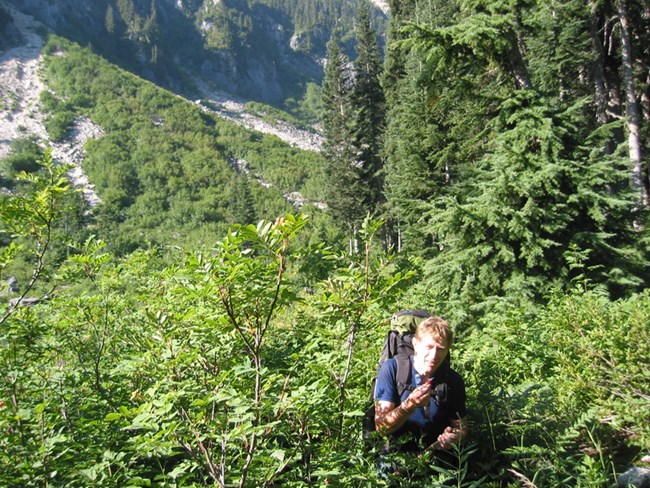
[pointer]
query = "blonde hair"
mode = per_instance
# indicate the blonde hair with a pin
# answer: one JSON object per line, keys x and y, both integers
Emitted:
{"x": 436, "y": 327}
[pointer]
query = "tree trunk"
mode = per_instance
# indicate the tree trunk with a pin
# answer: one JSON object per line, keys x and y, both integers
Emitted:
{"x": 645, "y": 111}
{"x": 516, "y": 58}
{"x": 598, "y": 71}
{"x": 518, "y": 65}
{"x": 645, "y": 96}
{"x": 631, "y": 105}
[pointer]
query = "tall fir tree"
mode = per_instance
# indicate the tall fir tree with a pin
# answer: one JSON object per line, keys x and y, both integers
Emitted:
{"x": 394, "y": 69}
{"x": 152, "y": 32}
{"x": 412, "y": 176}
{"x": 242, "y": 207}
{"x": 109, "y": 19}
{"x": 344, "y": 183}
{"x": 491, "y": 128}
{"x": 369, "y": 109}
{"x": 130, "y": 17}
{"x": 547, "y": 205}
{"x": 431, "y": 128}
{"x": 393, "y": 80}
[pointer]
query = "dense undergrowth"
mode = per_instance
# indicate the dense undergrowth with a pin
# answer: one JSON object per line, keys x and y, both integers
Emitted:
{"x": 171, "y": 368}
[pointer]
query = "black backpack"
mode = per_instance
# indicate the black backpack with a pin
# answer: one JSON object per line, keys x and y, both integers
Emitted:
{"x": 398, "y": 344}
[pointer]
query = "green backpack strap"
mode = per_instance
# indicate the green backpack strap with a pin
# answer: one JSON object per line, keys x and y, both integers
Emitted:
{"x": 403, "y": 375}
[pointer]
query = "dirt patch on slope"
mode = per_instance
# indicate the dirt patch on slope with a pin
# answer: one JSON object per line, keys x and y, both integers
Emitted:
{"x": 21, "y": 116}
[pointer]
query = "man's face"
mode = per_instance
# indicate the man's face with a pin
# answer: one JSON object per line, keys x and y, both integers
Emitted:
{"x": 429, "y": 354}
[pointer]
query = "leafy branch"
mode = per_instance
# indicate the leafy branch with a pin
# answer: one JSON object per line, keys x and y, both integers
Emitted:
{"x": 248, "y": 273}
{"x": 32, "y": 215}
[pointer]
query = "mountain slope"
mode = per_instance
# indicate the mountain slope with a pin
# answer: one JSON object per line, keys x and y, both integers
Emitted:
{"x": 20, "y": 87}
{"x": 164, "y": 172}
{"x": 264, "y": 50}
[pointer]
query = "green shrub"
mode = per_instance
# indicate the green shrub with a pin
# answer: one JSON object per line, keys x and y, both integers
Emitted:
{"x": 559, "y": 392}
{"x": 24, "y": 155}
{"x": 58, "y": 125}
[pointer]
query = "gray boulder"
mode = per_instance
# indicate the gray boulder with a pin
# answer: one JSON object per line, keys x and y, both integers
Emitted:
{"x": 636, "y": 477}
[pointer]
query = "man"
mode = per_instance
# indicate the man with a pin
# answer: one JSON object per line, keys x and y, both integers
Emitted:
{"x": 422, "y": 414}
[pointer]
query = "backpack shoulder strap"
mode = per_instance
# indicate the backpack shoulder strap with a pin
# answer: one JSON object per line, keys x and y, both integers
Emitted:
{"x": 440, "y": 391}
{"x": 403, "y": 375}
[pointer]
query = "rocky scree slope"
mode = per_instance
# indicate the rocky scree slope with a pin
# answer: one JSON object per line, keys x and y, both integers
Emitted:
{"x": 20, "y": 87}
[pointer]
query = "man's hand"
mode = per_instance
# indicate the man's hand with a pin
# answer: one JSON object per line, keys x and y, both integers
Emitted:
{"x": 390, "y": 417}
{"x": 419, "y": 397}
{"x": 453, "y": 434}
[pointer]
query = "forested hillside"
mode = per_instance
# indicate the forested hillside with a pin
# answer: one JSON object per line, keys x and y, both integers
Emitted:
{"x": 165, "y": 168}
{"x": 268, "y": 51}
{"x": 488, "y": 163}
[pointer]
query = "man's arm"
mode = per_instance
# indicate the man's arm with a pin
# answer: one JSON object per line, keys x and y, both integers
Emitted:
{"x": 390, "y": 417}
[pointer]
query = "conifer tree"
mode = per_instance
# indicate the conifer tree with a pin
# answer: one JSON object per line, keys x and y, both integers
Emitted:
{"x": 491, "y": 128}
{"x": 411, "y": 176}
{"x": 394, "y": 59}
{"x": 368, "y": 100}
{"x": 242, "y": 206}
{"x": 621, "y": 33}
{"x": 394, "y": 71}
{"x": 547, "y": 204}
{"x": 129, "y": 15}
{"x": 393, "y": 79}
{"x": 344, "y": 189}
{"x": 152, "y": 32}
{"x": 431, "y": 124}
{"x": 632, "y": 110}
{"x": 151, "y": 24}
{"x": 109, "y": 19}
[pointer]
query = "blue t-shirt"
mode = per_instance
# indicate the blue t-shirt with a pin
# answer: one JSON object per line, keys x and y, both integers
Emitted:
{"x": 427, "y": 422}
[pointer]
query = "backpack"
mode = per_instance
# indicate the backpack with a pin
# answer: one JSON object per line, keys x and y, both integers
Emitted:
{"x": 398, "y": 344}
